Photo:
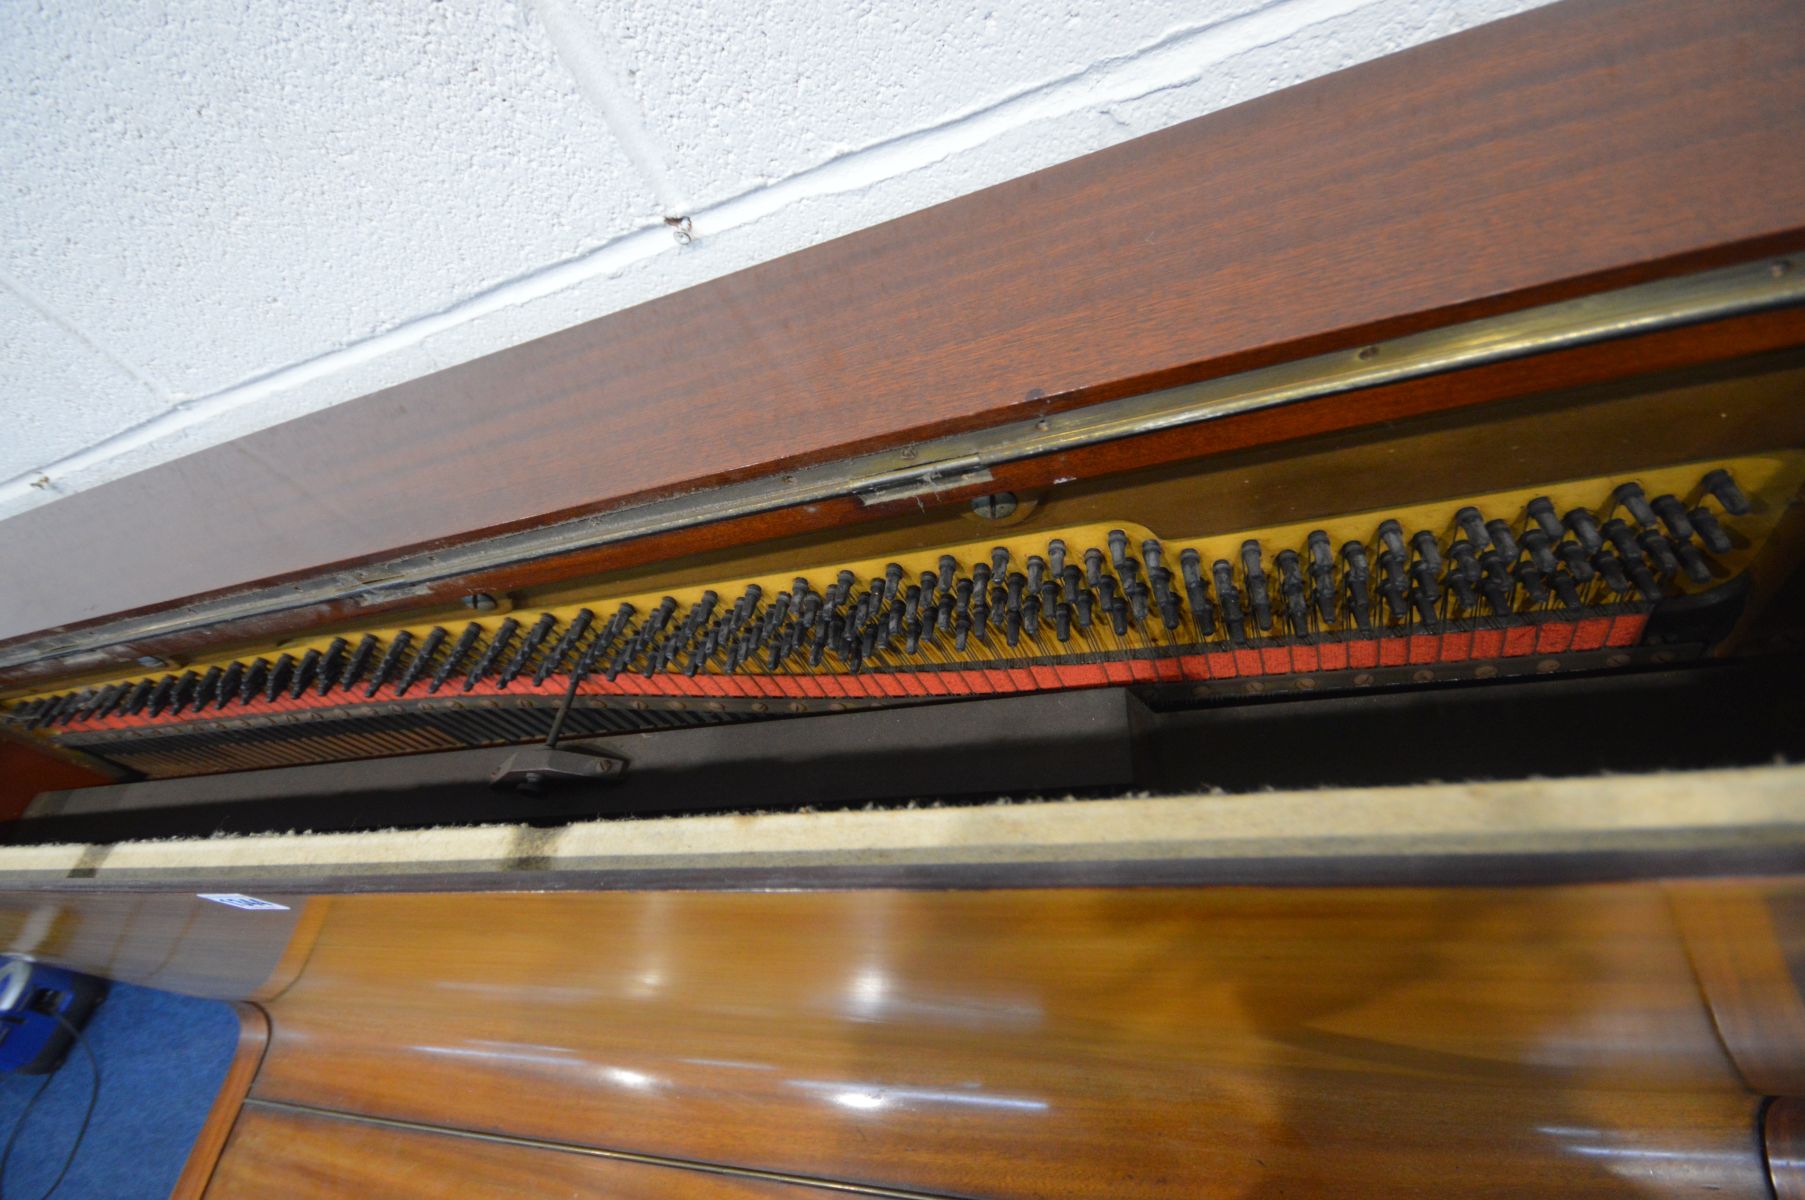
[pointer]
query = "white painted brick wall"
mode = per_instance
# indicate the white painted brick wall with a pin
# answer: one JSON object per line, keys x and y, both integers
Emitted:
{"x": 219, "y": 216}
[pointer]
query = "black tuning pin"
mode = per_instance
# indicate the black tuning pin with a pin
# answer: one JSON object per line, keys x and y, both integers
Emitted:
{"x": 1428, "y": 550}
{"x": 160, "y": 698}
{"x": 1469, "y": 522}
{"x": 1565, "y": 590}
{"x": 1537, "y": 543}
{"x": 359, "y": 662}
{"x": 1495, "y": 581}
{"x": 207, "y": 691}
{"x": 1255, "y": 576}
{"x": 1425, "y": 593}
{"x": 529, "y": 646}
{"x": 331, "y": 663}
{"x": 1618, "y": 533}
{"x": 1585, "y": 529}
{"x": 1692, "y": 562}
{"x": 1291, "y": 590}
{"x": 555, "y": 658}
{"x": 1635, "y": 502}
{"x": 1710, "y": 532}
{"x": 1541, "y": 511}
{"x": 1322, "y": 575}
{"x": 1531, "y": 579}
{"x": 256, "y": 677}
{"x": 277, "y": 678}
{"x": 1391, "y": 536}
{"x": 1720, "y": 484}
{"x": 138, "y": 697}
{"x": 1356, "y": 576}
{"x": 1502, "y": 541}
{"x": 1394, "y": 587}
{"x": 1610, "y": 568}
{"x": 498, "y": 646}
{"x": 1578, "y": 562}
{"x": 1234, "y": 621}
{"x": 304, "y": 674}
{"x": 1463, "y": 574}
{"x": 232, "y": 686}
{"x": 435, "y": 638}
{"x": 391, "y": 659}
{"x": 1197, "y": 592}
{"x": 1660, "y": 551}
{"x": 1673, "y": 515}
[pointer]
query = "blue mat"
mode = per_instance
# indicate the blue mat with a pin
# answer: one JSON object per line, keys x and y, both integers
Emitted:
{"x": 162, "y": 1060}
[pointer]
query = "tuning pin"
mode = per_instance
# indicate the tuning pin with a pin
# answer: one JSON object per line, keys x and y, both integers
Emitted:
{"x": 1469, "y": 522}
{"x": 1291, "y": 589}
{"x": 207, "y": 691}
{"x": 1535, "y": 541}
{"x": 280, "y": 673}
{"x": 140, "y": 696}
{"x": 391, "y": 659}
{"x": 1611, "y": 569}
{"x": 1541, "y": 511}
{"x": 498, "y": 645}
{"x": 330, "y": 663}
{"x": 1502, "y": 541}
{"x": 1535, "y": 590}
{"x": 1495, "y": 581}
{"x": 567, "y": 641}
{"x": 1393, "y": 586}
{"x": 1197, "y": 592}
{"x": 1428, "y": 550}
{"x": 1463, "y": 573}
{"x": 256, "y": 679}
{"x": 1660, "y": 551}
{"x": 1673, "y": 515}
{"x": 358, "y": 662}
{"x": 228, "y": 686}
{"x": 1710, "y": 532}
{"x": 1425, "y": 595}
{"x": 435, "y": 637}
{"x": 1322, "y": 574}
{"x": 1634, "y": 501}
{"x": 160, "y": 699}
{"x": 1356, "y": 575}
{"x": 1692, "y": 562}
{"x": 1565, "y": 590}
{"x": 304, "y": 674}
{"x": 1617, "y": 532}
{"x": 1257, "y": 597}
{"x": 1578, "y": 564}
{"x": 1234, "y": 621}
{"x": 1585, "y": 529}
{"x": 1391, "y": 536}
{"x": 1720, "y": 484}
{"x": 1118, "y": 550}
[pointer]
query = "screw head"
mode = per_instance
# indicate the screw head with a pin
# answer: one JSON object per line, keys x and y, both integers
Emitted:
{"x": 480, "y": 601}
{"x": 995, "y": 506}
{"x": 152, "y": 661}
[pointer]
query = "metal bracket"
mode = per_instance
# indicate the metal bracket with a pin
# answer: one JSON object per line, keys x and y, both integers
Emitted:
{"x": 532, "y": 770}
{"x": 928, "y": 479}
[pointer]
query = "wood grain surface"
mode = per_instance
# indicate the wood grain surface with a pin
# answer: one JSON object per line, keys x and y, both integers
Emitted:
{"x": 1208, "y": 1042}
{"x": 1586, "y": 144}
{"x": 169, "y": 940}
{"x": 300, "y": 1156}
{"x": 1747, "y": 942}
{"x": 203, "y": 1156}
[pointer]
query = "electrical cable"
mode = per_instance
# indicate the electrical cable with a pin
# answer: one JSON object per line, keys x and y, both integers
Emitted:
{"x": 80, "y": 1134}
